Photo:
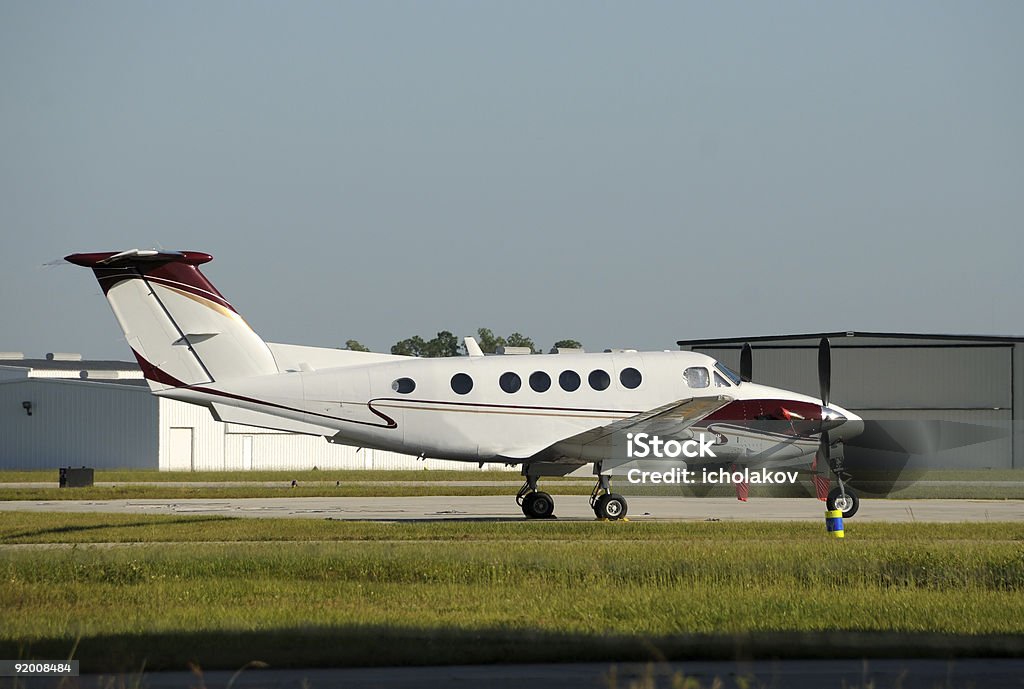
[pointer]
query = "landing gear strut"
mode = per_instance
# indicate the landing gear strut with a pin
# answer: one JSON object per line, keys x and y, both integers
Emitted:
{"x": 841, "y": 498}
{"x": 606, "y": 504}
{"x": 536, "y": 504}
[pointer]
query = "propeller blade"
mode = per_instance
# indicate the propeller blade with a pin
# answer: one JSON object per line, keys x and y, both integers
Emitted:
{"x": 746, "y": 363}
{"x": 824, "y": 369}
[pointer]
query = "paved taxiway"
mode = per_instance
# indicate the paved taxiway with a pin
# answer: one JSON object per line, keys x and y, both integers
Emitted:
{"x": 568, "y": 507}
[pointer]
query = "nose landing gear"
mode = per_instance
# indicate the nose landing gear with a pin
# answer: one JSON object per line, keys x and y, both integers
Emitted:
{"x": 841, "y": 497}
{"x": 844, "y": 500}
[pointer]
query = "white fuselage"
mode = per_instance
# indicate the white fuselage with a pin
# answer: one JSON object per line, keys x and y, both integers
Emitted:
{"x": 371, "y": 405}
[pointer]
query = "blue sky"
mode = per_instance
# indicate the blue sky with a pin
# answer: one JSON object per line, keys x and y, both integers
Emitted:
{"x": 625, "y": 174}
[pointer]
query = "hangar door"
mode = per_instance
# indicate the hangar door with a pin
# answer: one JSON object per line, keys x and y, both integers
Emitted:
{"x": 968, "y": 388}
{"x": 890, "y": 377}
{"x": 180, "y": 449}
{"x": 924, "y": 377}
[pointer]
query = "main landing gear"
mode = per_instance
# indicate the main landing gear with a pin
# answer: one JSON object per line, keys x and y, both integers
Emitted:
{"x": 536, "y": 504}
{"x": 606, "y": 504}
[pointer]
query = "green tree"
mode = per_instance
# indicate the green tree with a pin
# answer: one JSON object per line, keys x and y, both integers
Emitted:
{"x": 356, "y": 346}
{"x": 411, "y": 346}
{"x": 520, "y": 340}
{"x": 566, "y": 344}
{"x": 488, "y": 341}
{"x": 445, "y": 344}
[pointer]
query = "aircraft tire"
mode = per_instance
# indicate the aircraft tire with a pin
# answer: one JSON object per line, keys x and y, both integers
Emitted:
{"x": 611, "y": 506}
{"x": 849, "y": 506}
{"x": 538, "y": 505}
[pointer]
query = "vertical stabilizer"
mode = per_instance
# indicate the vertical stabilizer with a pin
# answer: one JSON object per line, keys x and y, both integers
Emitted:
{"x": 181, "y": 329}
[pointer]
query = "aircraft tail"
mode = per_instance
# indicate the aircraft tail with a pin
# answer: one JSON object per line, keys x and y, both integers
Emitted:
{"x": 181, "y": 329}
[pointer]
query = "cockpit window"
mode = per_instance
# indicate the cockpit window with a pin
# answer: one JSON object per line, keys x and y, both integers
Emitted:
{"x": 727, "y": 372}
{"x": 720, "y": 381}
{"x": 697, "y": 377}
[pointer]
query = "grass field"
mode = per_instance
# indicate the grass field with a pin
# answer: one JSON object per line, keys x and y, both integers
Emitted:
{"x": 52, "y": 528}
{"x": 222, "y": 592}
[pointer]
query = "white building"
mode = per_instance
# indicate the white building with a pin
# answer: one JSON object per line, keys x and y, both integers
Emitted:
{"x": 66, "y": 411}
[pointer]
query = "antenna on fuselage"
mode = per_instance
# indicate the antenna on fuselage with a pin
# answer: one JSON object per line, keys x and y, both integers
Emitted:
{"x": 472, "y": 348}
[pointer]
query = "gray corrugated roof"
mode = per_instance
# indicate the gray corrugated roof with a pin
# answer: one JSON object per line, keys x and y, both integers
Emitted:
{"x": 838, "y": 337}
{"x": 86, "y": 365}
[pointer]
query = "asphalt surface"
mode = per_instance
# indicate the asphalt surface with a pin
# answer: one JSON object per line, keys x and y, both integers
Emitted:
{"x": 568, "y": 507}
{"x": 790, "y": 674}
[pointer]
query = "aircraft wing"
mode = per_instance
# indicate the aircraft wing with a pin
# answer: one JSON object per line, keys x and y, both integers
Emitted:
{"x": 668, "y": 422}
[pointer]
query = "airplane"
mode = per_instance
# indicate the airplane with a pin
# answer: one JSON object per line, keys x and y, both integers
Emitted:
{"x": 551, "y": 414}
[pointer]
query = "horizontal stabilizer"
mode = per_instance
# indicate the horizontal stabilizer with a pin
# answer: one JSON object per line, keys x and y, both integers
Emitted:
{"x": 100, "y": 259}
